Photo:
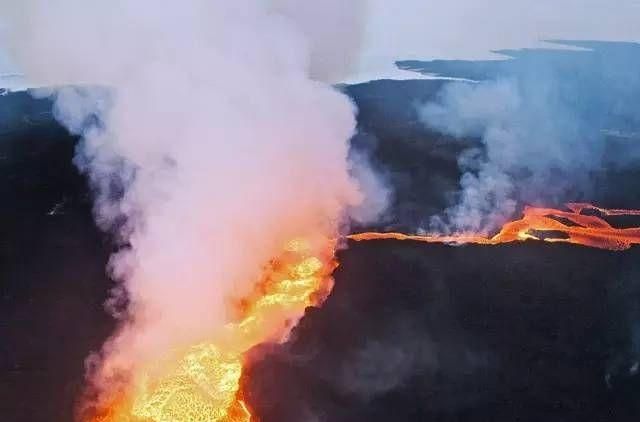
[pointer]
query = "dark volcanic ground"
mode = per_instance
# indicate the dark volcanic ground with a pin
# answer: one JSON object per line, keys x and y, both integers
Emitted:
{"x": 52, "y": 260}
{"x": 412, "y": 332}
{"x": 526, "y": 332}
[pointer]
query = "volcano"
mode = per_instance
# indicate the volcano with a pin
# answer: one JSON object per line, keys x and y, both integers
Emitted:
{"x": 525, "y": 330}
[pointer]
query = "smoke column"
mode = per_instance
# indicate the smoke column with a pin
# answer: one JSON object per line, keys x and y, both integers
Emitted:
{"x": 209, "y": 139}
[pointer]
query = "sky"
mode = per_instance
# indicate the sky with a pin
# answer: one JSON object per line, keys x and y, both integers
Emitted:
{"x": 470, "y": 29}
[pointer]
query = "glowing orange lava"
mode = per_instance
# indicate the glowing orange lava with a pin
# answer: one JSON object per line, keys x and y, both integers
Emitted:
{"x": 203, "y": 384}
{"x": 547, "y": 224}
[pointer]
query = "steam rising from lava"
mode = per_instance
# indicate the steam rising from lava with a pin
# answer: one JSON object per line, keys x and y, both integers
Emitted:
{"x": 211, "y": 141}
{"x": 546, "y": 123}
{"x": 206, "y": 140}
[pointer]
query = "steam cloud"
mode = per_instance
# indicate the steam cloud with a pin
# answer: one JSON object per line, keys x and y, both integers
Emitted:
{"x": 209, "y": 138}
{"x": 546, "y": 123}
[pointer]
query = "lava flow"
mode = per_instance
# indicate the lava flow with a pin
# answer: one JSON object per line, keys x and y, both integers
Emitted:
{"x": 547, "y": 224}
{"x": 204, "y": 384}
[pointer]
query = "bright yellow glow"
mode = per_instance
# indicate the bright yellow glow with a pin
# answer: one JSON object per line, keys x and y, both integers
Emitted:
{"x": 205, "y": 384}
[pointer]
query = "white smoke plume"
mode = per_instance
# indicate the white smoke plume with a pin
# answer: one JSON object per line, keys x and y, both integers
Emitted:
{"x": 547, "y": 124}
{"x": 210, "y": 139}
{"x": 532, "y": 149}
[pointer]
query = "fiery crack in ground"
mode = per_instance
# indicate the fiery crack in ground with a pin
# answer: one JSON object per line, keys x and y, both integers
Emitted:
{"x": 206, "y": 382}
{"x": 545, "y": 224}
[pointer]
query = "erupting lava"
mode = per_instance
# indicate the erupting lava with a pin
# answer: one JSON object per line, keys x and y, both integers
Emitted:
{"x": 547, "y": 224}
{"x": 204, "y": 384}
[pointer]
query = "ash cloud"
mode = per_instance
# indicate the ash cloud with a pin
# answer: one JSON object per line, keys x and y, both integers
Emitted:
{"x": 210, "y": 138}
{"x": 545, "y": 123}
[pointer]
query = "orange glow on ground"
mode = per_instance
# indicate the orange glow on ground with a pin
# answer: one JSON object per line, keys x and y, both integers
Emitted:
{"x": 545, "y": 224}
{"x": 203, "y": 384}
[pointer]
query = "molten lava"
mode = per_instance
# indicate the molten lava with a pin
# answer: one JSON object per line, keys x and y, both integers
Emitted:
{"x": 547, "y": 224}
{"x": 203, "y": 385}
